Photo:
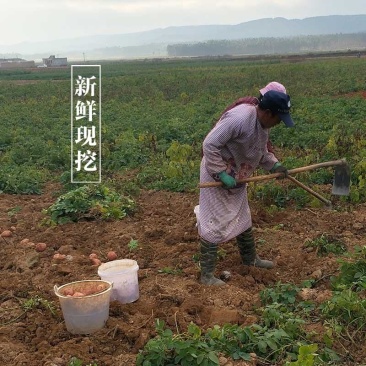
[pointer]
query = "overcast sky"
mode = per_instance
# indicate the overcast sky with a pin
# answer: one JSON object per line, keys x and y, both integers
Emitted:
{"x": 44, "y": 20}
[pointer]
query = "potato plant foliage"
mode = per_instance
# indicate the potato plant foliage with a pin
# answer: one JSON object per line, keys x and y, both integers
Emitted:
{"x": 156, "y": 114}
{"x": 89, "y": 202}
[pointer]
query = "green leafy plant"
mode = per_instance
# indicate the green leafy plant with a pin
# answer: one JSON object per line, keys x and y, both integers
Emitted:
{"x": 169, "y": 270}
{"x": 306, "y": 356}
{"x": 358, "y": 192}
{"x": 238, "y": 342}
{"x": 352, "y": 272}
{"x": 346, "y": 315}
{"x": 348, "y": 307}
{"x": 32, "y": 303}
{"x": 221, "y": 254}
{"x": 325, "y": 244}
{"x": 278, "y": 227}
{"x": 126, "y": 149}
{"x": 74, "y": 361}
{"x": 124, "y": 182}
{"x": 179, "y": 156}
{"x": 13, "y": 211}
{"x": 196, "y": 257}
{"x": 280, "y": 317}
{"x": 21, "y": 179}
{"x": 198, "y": 348}
{"x": 133, "y": 245}
{"x": 89, "y": 202}
{"x": 176, "y": 170}
{"x": 183, "y": 349}
{"x": 38, "y": 302}
{"x": 283, "y": 293}
{"x": 270, "y": 193}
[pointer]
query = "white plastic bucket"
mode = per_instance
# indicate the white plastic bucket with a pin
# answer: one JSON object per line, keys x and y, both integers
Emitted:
{"x": 197, "y": 213}
{"x": 123, "y": 274}
{"x": 85, "y": 314}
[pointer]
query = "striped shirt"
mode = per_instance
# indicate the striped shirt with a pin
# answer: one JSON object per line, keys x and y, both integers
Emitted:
{"x": 238, "y": 145}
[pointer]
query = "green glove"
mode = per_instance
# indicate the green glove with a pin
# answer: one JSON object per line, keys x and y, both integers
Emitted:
{"x": 279, "y": 168}
{"x": 227, "y": 180}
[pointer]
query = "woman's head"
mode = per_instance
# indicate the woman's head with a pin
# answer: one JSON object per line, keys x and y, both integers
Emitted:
{"x": 273, "y": 108}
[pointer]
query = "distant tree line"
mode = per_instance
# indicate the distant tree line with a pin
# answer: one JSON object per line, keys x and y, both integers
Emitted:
{"x": 254, "y": 46}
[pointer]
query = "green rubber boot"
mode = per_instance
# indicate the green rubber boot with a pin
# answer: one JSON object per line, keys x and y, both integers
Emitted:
{"x": 248, "y": 253}
{"x": 208, "y": 264}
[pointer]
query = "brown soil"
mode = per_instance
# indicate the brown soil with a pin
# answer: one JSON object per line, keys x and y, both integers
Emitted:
{"x": 165, "y": 229}
{"x": 361, "y": 93}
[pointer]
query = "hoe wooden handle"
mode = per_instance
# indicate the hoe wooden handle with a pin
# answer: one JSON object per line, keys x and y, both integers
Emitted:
{"x": 309, "y": 190}
{"x": 259, "y": 178}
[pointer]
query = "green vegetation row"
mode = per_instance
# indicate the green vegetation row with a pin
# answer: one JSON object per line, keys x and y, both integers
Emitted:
{"x": 155, "y": 115}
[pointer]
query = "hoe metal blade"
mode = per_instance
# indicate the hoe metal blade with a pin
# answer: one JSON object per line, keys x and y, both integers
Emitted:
{"x": 342, "y": 180}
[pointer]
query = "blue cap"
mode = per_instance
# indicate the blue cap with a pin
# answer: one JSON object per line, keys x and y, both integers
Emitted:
{"x": 278, "y": 103}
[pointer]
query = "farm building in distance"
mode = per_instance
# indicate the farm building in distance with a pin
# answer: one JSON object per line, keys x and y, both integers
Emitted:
{"x": 15, "y": 63}
{"x": 53, "y": 61}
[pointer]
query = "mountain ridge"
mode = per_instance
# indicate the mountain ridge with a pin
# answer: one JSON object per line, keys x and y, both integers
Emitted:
{"x": 265, "y": 27}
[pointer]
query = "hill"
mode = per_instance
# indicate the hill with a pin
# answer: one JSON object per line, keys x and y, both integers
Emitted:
{"x": 154, "y": 42}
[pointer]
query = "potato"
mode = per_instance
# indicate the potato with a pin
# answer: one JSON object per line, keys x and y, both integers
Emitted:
{"x": 13, "y": 228}
{"x": 68, "y": 292}
{"x": 41, "y": 247}
{"x": 93, "y": 255}
{"x": 78, "y": 294}
{"x": 59, "y": 256}
{"x": 6, "y": 234}
{"x": 27, "y": 243}
{"x": 100, "y": 288}
{"x": 95, "y": 290}
{"x": 112, "y": 255}
{"x": 96, "y": 262}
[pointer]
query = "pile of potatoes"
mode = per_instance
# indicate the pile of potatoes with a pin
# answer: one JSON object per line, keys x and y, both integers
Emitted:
{"x": 41, "y": 247}
{"x": 111, "y": 256}
{"x": 87, "y": 290}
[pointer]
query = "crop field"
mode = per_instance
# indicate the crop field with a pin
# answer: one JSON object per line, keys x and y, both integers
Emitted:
{"x": 309, "y": 310}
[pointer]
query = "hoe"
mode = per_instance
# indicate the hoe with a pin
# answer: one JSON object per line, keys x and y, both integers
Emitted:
{"x": 341, "y": 181}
